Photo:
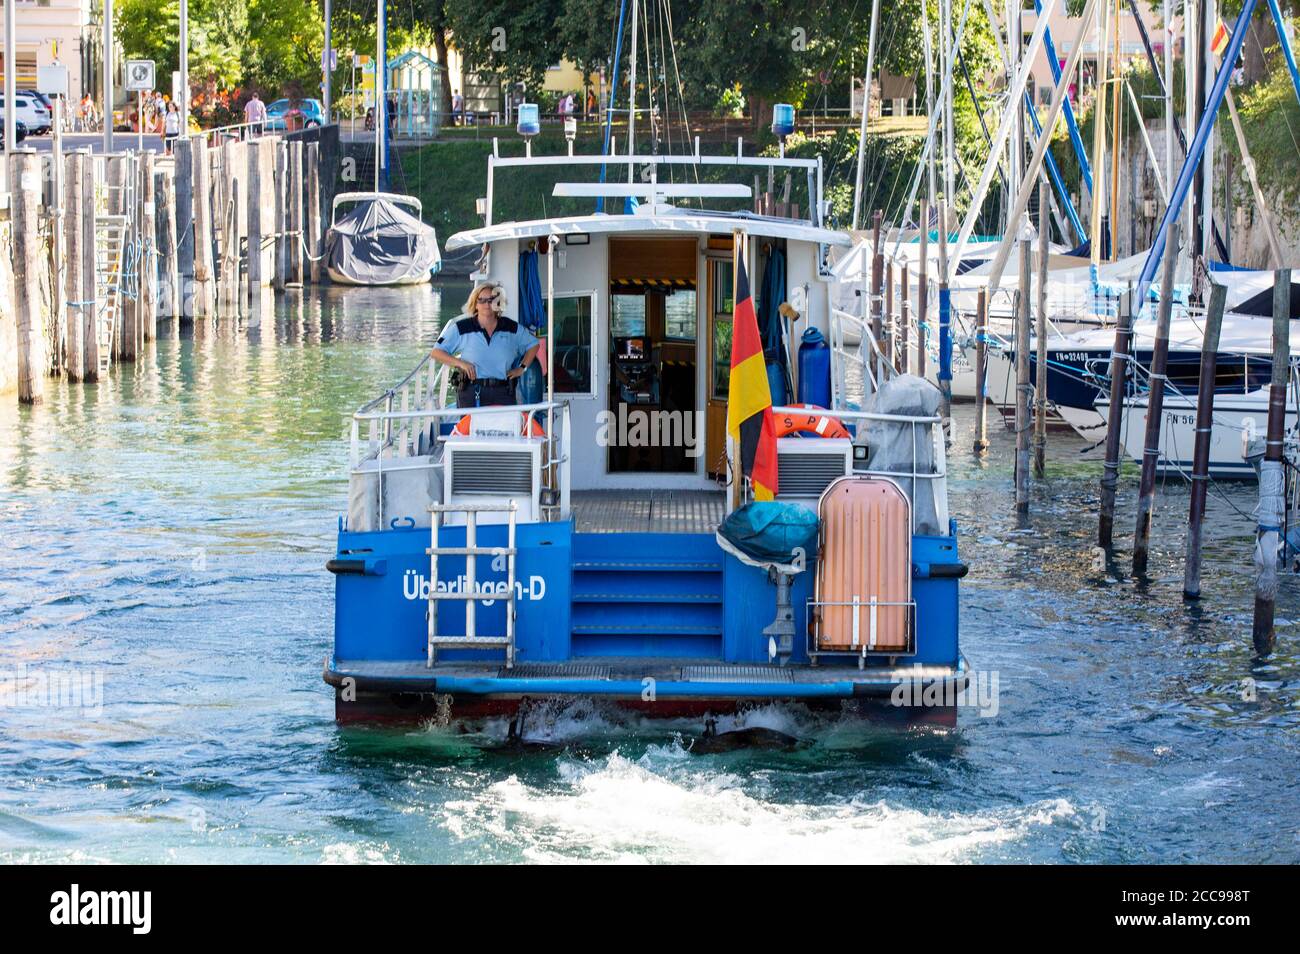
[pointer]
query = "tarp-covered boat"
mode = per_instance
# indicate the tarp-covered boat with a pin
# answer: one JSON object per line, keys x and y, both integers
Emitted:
{"x": 378, "y": 241}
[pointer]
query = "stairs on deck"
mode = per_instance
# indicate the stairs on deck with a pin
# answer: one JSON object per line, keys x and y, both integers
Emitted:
{"x": 647, "y": 594}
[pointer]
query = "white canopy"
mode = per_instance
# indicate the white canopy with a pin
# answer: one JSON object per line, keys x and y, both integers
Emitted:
{"x": 658, "y": 219}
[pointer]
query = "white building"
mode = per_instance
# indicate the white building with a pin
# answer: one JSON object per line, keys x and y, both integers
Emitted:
{"x": 51, "y": 32}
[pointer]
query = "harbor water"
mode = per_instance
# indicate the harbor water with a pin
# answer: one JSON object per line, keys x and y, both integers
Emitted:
{"x": 164, "y": 539}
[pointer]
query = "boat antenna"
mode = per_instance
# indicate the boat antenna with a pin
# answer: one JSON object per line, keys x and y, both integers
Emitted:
{"x": 866, "y": 111}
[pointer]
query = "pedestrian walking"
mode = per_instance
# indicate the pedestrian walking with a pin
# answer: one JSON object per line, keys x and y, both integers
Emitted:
{"x": 171, "y": 127}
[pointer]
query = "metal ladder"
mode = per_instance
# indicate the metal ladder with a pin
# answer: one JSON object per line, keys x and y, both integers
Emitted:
{"x": 471, "y": 551}
{"x": 110, "y": 246}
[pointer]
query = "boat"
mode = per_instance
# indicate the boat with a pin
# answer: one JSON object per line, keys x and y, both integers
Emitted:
{"x": 581, "y": 547}
{"x": 380, "y": 240}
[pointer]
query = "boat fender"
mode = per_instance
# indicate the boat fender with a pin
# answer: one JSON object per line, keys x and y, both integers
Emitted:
{"x": 939, "y": 571}
{"x": 365, "y": 567}
{"x": 820, "y": 425}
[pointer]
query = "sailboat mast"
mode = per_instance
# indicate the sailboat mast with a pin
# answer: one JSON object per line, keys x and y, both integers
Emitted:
{"x": 631, "y": 96}
{"x": 1169, "y": 97}
{"x": 1016, "y": 144}
{"x": 949, "y": 154}
{"x": 866, "y": 109}
{"x": 1114, "y": 147}
{"x": 931, "y": 183}
{"x": 1099, "y": 136}
{"x": 381, "y": 97}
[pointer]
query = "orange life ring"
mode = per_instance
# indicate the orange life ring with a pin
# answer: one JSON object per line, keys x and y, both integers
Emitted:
{"x": 818, "y": 424}
{"x": 462, "y": 426}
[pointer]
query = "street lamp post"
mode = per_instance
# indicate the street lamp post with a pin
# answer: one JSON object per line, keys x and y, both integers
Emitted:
{"x": 108, "y": 76}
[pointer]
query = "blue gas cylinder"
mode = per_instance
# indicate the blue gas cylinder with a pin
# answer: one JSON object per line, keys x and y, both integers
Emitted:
{"x": 814, "y": 369}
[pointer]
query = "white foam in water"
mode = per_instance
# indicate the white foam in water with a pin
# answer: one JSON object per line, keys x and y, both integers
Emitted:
{"x": 662, "y": 808}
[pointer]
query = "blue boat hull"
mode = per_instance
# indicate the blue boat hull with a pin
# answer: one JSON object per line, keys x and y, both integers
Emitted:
{"x": 664, "y": 623}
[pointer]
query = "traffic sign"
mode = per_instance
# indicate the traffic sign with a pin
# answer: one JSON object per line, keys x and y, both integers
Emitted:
{"x": 139, "y": 76}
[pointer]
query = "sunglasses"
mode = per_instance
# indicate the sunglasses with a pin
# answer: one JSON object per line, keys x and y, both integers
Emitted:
{"x": 486, "y": 299}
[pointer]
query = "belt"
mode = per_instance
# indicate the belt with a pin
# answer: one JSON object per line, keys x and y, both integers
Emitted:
{"x": 486, "y": 382}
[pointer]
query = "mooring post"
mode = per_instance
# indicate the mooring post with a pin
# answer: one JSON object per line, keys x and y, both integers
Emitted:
{"x": 261, "y": 214}
{"x": 1119, "y": 358}
{"x": 981, "y": 371}
{"x": 89, "y": 287}
{"x": 945, "y": 326}
{"x": 282, "y": 186}
{"x": 58, "y": 240}
{"x": 1155, "y": 408}
{"x": 1271, "y": 510}
{"x": 1024, "y": 315}
{"x": 904, "y": 323}
{"x": 73, "y": 233}
{"x": 1040, "y": 335}
{"x": 204, "y": 292}
{"x": 115, "y": 168}
{"x": 923, "y": 290}
{"x": 877, "y": 280}
{"x": 149, "y": 250}
{"x": 889, "y": 324}
{"x": 25, "y": 189}
{"x": 183, "y": 196}
{"x": 170, "y": 289}
{"x": 1201, "y": 446}
{"x": 314, "y": 234}
{"x": 296, "y": 211}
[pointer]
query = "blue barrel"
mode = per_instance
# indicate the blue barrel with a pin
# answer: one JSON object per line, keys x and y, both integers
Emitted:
{"x": 782, "y": 120}
{"x": 529, "y": 122}
{"x": 814, "y": 369}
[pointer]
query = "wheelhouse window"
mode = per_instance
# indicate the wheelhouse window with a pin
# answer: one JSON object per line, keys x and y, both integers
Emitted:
{"x": 679, "y": 315}
{"x": 722, "y": 307}
{"x": 575, "y": 328}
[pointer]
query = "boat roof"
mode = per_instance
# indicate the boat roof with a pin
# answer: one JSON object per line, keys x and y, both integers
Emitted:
{"x": 656, "y": 219}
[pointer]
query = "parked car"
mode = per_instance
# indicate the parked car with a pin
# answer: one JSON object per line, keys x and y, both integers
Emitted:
{"x": 20, "y": 132}
{"x": 279, "y": 114}
{"x": 31, "y": 112}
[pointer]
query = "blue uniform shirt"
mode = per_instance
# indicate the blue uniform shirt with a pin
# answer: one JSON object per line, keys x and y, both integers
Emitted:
{"x": 491, "y": 359}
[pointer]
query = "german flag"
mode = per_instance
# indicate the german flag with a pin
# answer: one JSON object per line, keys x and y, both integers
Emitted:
{"x": 749, "y": 404}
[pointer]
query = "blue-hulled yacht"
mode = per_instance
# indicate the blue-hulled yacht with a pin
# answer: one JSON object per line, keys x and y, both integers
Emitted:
{"x": 569, "y": 547}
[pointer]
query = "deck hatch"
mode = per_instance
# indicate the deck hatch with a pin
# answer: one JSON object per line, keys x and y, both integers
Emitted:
{"x": 492, "y": 472}
{"x": 736, "y": 674}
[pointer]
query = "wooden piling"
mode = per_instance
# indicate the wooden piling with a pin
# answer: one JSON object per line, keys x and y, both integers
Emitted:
{"x": 981, "y": 371}
{"x": 1040, "y": 375}
{"x": 1155, "y": 407}
{"x": 58, "y": 242}
{"x": 1119, "y": 358}
{"x": 1024, "y": 316}
{"x": 281, "y": 214}
{"x": 1271, "y": 511}
{"x": 296, "y": 213}
{"x": 890, "y": 324}
{"x": 204, "y": 272}
{"x": 149, "y": 250}
{"x": 877, "y": 281}
{"x": 75, "y": 170}
{"x": 923, "y": 290}
{"x": 118, "y": 172}
{"x": 315, "y": 234}
{"x": 183, "y": 194}
{"x": 261, "y": 214}
{"x": 89, "y": 284}
{"x": 25, "y": 198}
{"x": 168, "y": 253}
{"x": 904, "y": 324}
{"x": 1201, "y": 446}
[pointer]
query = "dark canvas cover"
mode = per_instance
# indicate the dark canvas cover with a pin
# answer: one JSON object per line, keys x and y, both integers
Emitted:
{"x": 380, "y": 243}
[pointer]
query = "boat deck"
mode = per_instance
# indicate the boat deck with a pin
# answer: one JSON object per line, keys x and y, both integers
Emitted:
{"x": 647, "y": 511}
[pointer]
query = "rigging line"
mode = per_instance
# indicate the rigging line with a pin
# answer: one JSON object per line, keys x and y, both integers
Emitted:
{"x": 613, "y": 90}
{"x": 877, "y": 162}
{"x": 681, "y": 96}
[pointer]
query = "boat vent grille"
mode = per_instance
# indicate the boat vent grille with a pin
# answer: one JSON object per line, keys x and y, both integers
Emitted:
{"x": 556, "y": 671}
{"x": 807, "y": 475}
{"x": 492, "y": 472}
{"x": 736, "y": 674}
